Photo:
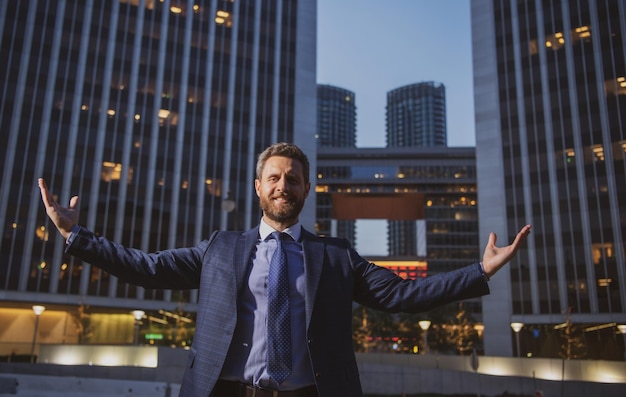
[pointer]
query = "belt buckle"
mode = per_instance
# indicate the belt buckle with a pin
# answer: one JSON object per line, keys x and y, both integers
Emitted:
{"x": 260, "y": 390}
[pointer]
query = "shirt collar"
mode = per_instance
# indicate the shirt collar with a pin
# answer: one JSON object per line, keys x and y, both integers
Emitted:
{"x": 294, "y": 230}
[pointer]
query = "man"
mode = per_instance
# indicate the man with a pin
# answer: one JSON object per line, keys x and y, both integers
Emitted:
{"x": 240, "y": 346}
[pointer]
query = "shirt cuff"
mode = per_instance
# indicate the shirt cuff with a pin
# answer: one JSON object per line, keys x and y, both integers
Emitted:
{"x": 482, "y": 271}
{"x": 72, "y": 235}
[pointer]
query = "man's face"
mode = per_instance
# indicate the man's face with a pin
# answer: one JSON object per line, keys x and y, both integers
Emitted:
{"x": 281, "y": 190}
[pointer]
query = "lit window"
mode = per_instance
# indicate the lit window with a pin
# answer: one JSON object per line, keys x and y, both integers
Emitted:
{"x": 223, "y": 18}
{"x": 615, "y": 86}
{"x": 42, "y": 233}
{"x": 555, "y": 41}
{"x": 111, "y": 171}
{"x": 601, "y": 252}
{"x": 582, "y": 32}
{"x": 598, "y": 152}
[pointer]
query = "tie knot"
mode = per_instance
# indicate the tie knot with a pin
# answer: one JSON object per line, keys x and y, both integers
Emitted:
{"x": 280, "y": 236}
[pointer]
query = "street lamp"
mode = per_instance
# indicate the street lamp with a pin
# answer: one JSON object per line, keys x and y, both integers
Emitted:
{"x": 622, "y": 329}
{"x": 138, "y": 314}
{"x": 424, "y": 325}
{"x": 517, "y": 327}
{"x": 38, "y": 309}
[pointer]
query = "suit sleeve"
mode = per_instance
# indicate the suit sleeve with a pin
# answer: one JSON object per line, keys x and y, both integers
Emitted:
{"x": 169, "y": 269}
{"x": 380, "y": 288}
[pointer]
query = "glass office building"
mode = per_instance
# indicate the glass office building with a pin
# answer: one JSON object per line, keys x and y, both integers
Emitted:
{"x": 416, "y": 115}
{"x": 433, "y": 189}
{"x": 336, "y": 116}
{"x": 153, "y": 112}
{"x": 550, "y": 97}
{"x": 336, "y": 127}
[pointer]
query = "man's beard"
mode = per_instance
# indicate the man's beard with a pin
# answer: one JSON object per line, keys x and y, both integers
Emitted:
{"x": 287, "y": 212}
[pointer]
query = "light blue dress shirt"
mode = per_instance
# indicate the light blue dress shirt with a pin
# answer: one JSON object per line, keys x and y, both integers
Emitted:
{"x": 246, "y": 359}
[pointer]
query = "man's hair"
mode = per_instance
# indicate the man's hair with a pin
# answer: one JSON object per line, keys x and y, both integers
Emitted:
{"x": 283, "y": 149}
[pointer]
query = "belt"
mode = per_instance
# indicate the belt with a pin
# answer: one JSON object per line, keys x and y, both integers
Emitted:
{"x": 227, "y": 388}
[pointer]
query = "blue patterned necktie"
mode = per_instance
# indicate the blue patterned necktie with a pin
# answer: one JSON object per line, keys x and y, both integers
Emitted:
{"x": 278, "y": 317}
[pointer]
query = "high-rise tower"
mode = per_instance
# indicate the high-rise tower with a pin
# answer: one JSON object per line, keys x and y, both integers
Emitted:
{"x": 336, "y": 117}
{"x": 550, "y": 97}
{"x": 153, "y": 112}
{"x": 336, "y": 128}
{"x": 416, "y": 115}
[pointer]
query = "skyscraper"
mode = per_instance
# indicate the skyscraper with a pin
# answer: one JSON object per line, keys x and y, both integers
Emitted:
{"x": 550, "y": 97}
{"x": 153, "y": 112}
{"x": 336, "y": 117}
{"x": 416, "y": 115}
{"x": 336, "y": 127}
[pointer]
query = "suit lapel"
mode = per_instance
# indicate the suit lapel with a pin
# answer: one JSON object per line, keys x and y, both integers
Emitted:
{"x": 243, "y": 249}
{"x": 313, "y": 249}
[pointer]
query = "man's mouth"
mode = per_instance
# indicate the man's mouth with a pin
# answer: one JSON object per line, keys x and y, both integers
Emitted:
{"x": 282, "y": 199}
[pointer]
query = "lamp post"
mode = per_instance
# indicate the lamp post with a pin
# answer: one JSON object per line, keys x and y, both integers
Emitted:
{"x": 38, "y": 309}
{"x": 622, "y": 329}
{"x": 424, "y": 325}
{"x": 517, "y": 327}
{"x": 138, "y": 314}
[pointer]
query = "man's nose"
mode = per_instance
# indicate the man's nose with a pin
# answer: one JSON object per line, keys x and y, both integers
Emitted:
{"x": 282, "y": 185}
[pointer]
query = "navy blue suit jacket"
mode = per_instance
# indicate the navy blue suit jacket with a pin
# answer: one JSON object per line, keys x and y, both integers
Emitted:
{"x": 335, "y": 277}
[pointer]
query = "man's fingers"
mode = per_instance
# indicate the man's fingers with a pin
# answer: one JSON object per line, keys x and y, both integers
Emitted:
{"x": 73, "y": 202}
{"x": 523, "y": 233}
{"x": 492, "y": 239}
{"x": 45, "y": 194}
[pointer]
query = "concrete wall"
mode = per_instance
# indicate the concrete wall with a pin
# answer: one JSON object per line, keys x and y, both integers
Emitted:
{"x": 385, "y": 374}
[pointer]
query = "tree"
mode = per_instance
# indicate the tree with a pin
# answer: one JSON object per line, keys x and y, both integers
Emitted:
{"x": 374, "y": 330}
{"x": 572, "y": 337}
{"x": 453, "y": 330}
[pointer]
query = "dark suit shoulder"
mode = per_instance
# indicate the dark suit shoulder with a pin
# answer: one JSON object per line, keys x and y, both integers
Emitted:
{"x": 328, "y": 241}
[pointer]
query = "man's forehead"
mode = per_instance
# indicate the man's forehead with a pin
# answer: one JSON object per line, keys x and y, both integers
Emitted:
{"x": 276, "y": 163}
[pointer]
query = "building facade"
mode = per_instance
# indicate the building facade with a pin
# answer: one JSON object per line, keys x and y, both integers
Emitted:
{"x": 432, "y": 188}
{"x": 416, "y": 115}
{"x": 153, "y": 112}
{"x": 550, "y": 97}
{"x": 336, "y": 127}
{"x": 336, "y": 116}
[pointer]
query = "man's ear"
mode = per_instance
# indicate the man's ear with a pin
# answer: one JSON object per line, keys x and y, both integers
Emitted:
{"x": 307, "y": 188}
{"x": 257, "y": 185}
